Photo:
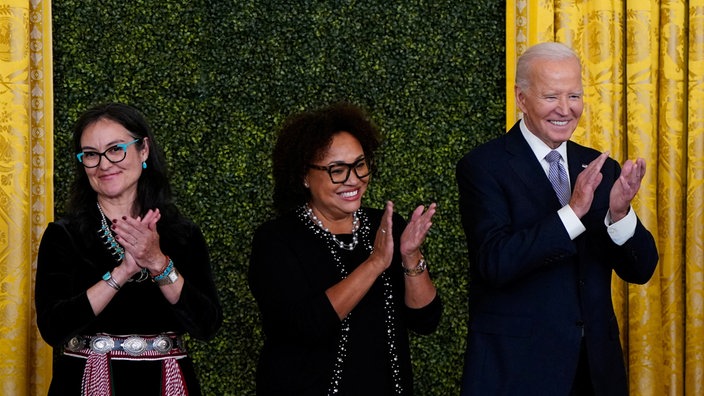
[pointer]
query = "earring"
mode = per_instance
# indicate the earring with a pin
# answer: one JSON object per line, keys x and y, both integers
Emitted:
{"x": 144, "y": 164}
{"x": 305, "y": 184}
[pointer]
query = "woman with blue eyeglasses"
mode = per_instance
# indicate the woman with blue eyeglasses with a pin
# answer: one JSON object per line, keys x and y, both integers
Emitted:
{"x": 338, "y": 285}
{"x": 123, "y": 276}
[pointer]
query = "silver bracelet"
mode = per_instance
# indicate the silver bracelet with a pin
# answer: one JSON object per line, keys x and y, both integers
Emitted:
{"x": 111, "y": 281}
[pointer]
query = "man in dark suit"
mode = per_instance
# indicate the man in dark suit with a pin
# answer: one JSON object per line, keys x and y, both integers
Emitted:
{"x": 541, "y": 317}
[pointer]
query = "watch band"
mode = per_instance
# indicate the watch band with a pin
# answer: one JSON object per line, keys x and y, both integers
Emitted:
{"x": 417, "y": 270}
{"x": 169, "y": 279}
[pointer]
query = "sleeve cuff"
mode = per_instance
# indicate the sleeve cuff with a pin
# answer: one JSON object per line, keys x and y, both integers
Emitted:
{"x": 622, "y": 230}
{"x": 572, "y": 223}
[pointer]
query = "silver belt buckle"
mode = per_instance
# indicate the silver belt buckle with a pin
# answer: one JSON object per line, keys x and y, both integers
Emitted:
{"x": 162, "y": 344}
{"x": 76, "y": 343}
{"x": 102, "y": 344}
{"x": 134, "y": 345}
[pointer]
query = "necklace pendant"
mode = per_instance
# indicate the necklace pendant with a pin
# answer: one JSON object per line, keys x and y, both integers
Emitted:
{"x": 143, "y": 275}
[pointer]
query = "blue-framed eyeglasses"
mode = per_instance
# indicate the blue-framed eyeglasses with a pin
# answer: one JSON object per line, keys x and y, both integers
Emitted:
{"x": 114, "y": 154}
{"x": 340, "y": 172}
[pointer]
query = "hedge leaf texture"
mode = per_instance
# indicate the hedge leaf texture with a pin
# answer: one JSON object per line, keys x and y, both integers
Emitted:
{"x": 217, "y": 78}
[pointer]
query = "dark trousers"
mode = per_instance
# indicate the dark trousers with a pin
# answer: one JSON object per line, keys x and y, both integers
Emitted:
{"x": 582, "y": 385}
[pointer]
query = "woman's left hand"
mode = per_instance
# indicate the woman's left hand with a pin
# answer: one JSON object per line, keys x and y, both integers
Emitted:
{"x": 140, "y": 239}
{"x": 416, "y": 230}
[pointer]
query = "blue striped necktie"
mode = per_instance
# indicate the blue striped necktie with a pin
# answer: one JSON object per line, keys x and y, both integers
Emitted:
{"x": 558, "y": 177}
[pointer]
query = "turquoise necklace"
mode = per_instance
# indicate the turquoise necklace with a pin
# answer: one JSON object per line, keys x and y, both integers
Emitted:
{"x": 116, "y": 250}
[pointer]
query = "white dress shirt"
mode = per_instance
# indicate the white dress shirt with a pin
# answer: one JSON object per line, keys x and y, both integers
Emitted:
{"x": 619, "y": 231}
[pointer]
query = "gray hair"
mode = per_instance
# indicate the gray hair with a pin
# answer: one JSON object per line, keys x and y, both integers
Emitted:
{"x": 543, "y": 51}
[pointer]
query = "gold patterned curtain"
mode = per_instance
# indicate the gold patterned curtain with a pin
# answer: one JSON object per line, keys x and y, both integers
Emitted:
{"x": 644, "y": 97}
{"x": 26, "y": 191}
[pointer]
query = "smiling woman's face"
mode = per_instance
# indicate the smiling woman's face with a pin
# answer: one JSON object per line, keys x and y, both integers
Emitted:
{"x": 114, "y": 181}
{"x": 336, "y": 201}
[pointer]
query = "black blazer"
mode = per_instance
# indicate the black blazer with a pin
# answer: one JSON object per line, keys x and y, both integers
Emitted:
{"x": 533, "y": 291}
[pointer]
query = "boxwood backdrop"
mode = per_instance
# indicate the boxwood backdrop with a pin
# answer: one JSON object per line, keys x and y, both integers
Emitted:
{"x": 216, "y": 79}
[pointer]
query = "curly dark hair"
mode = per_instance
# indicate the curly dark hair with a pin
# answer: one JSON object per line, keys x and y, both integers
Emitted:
{"x": 305, "y": 137}
{"x": 153, "y": 188}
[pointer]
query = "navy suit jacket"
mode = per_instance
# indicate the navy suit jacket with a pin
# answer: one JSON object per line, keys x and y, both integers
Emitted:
{"x": 534, "y": 292}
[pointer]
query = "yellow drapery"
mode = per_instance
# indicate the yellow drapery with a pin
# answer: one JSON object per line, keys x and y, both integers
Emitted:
{"x": 644, "y": 97}
{"x": 26, "y": 191}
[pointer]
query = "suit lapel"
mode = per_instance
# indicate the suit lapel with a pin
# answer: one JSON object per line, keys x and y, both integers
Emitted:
{"x": 578, "y": 157}
{"x": 529, "y": 171}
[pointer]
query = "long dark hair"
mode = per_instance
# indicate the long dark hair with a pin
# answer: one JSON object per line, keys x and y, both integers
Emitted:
{"x": 153, "y": 188}
{"x": 304, "y": 138}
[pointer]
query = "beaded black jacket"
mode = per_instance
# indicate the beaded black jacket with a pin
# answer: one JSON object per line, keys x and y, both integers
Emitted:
{"x": 290, "y": 268}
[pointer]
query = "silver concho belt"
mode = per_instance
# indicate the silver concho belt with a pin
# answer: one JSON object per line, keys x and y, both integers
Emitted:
{"x": 134, "y": 345}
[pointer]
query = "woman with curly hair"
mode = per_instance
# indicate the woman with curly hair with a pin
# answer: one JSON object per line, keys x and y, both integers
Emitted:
{"x": 338, "y": 284}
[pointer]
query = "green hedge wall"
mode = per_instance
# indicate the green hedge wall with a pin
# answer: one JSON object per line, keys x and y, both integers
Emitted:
{"x": 216, "y": 78}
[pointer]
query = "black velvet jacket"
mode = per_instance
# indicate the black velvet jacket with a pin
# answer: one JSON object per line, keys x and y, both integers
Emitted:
{"x": 70, "y": 262}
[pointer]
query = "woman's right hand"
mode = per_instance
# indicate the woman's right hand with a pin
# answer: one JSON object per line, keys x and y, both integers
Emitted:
{"x": 140, "y": 239}
{"x": 384, "y": 241}
{"x": 346, "y": 294}
{"x": 130, "y": 264}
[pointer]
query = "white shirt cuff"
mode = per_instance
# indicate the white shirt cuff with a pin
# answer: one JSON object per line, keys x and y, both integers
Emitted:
{"x": 572, "y": 223}
{"x": 622, "y": 230}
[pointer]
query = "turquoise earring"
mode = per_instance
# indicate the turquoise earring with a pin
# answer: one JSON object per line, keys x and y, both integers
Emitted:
{"x": 144, "y": 164}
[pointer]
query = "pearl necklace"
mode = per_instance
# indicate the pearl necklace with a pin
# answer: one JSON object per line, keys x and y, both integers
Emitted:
{"x": 355, "y": 226}
{"x": 315, "y": 225}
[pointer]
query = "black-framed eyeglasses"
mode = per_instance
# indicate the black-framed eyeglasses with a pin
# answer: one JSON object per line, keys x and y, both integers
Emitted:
{"x": 340, "y": 172}
{"x": 114, "y": 154}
